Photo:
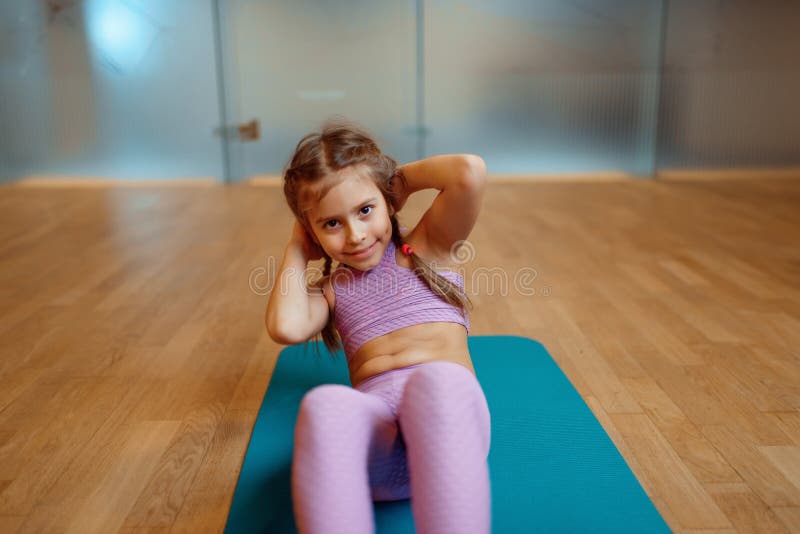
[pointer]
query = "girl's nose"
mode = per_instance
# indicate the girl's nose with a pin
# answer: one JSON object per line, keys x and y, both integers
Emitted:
{"x": 356, "y": 235}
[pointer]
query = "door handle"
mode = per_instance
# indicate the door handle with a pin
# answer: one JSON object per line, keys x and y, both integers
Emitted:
{"x": 249, "y": 131}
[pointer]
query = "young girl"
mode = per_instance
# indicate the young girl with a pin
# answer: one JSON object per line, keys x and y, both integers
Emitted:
{"x": 415, "y": 423}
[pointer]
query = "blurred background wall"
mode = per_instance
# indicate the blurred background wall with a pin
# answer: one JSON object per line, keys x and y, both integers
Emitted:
{"x": 158, "y": 89}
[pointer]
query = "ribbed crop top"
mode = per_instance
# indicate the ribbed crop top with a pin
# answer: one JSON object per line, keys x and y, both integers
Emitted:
{"x": 385, "y": 298}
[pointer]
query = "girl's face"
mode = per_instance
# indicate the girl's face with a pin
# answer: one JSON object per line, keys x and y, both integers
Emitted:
{"x": 351, "y": 222}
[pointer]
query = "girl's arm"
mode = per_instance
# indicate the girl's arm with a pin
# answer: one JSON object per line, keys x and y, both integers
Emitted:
{"x": 295, "y": 313}
{"x": 461, "y": 180}
{"x": 435, "y": 172}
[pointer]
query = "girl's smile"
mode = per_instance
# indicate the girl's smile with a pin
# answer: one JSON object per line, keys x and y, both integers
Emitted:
{"x": 363, "y": 253}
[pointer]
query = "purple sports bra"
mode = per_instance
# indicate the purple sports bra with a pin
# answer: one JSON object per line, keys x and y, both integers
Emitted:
{"x": 388, "y": 297}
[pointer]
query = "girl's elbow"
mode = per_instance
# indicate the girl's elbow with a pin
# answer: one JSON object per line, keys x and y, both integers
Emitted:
{"x": 476, "y": 172}
{"x": 281, "y": 334}
{"x": 278, "y": 337}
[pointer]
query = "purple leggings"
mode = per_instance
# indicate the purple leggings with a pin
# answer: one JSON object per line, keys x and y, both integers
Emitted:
{"x": 421, "y": 432}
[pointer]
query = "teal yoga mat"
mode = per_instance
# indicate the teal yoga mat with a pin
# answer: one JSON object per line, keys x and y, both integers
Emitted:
{"x": 552, "y": 466}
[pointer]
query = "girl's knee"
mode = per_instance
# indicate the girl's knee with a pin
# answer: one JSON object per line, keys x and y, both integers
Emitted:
{"x": 323, "y": 395}
{"x": 324, "y": 401}
{"x": 340, "y": 406}
{"x": 443, "y": 384}
{"x": 443, "y": 375}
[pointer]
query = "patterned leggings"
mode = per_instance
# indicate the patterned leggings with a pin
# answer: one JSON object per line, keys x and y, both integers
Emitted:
{"x": 421, "y": 432}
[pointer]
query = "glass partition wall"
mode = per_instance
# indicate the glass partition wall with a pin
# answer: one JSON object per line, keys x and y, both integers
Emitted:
{"x": 533, "y": 87}
{"x": 226, "y": 88}
{"x": 108, "y": 88}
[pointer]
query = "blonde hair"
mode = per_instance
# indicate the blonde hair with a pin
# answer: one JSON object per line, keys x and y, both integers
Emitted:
{"x": 339, "y": 145}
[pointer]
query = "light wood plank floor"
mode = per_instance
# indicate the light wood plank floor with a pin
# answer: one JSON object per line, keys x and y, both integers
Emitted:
{"x": 134, "y": 357}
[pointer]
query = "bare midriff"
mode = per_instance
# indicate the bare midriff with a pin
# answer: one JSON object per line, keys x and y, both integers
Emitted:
{"x": 411, "y": 345}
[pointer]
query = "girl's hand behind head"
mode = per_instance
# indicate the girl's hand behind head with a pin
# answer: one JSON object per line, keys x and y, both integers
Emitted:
{"x": 300, "y": 238}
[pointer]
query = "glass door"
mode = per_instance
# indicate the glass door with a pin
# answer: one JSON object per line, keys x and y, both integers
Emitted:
{"x": 289, "y": 65}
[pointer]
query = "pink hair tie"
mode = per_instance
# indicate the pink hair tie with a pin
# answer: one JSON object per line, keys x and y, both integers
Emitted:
{"x": 407, "y": 250}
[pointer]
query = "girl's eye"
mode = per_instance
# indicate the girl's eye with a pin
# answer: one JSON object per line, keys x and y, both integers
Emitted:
{"x": 332, "y": 223}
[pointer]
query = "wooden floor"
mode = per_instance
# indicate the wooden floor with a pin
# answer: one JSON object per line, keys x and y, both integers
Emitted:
{"x": 134, "y": 357}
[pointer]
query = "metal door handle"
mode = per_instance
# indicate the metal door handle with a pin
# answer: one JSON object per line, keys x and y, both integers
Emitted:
{"x": 249, "y": 131}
